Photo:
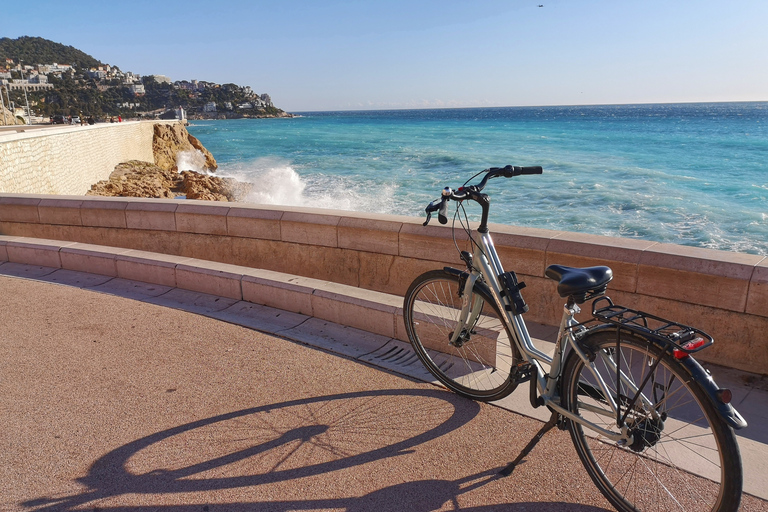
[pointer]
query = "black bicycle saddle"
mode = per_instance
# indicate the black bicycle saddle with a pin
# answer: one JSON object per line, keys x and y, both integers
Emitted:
{"x": 579, "y": 280}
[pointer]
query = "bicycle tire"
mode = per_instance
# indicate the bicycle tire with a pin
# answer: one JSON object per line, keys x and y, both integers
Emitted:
{"x": 688, "y": 461}
{"x": 481, "y": 368}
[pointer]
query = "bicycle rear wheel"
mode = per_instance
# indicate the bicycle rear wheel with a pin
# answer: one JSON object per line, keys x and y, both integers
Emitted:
{"x": 479, "y": 366}
{"x": 684, "y": 459}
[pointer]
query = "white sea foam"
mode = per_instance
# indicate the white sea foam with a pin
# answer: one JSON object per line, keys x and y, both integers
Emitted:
{"x": 191, "y": 160}
{"x": 278, "y": 183}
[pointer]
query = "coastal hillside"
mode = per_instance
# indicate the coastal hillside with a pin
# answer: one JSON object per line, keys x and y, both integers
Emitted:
{"x": 57, "y": 81}
{"x": 38, "y": 50}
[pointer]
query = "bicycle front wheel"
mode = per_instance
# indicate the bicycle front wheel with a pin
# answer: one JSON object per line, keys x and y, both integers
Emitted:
{"x": 479, "y": 364}
{"x": 683, "y": 456}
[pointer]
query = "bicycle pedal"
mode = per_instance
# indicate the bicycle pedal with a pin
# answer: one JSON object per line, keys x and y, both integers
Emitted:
{"x": 522, "y": 373}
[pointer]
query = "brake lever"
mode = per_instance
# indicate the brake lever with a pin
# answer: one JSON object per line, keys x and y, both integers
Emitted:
{"x": 429, "y": 209}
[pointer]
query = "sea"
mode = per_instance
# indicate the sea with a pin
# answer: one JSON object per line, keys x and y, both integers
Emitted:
{"x": 688, "y": 174}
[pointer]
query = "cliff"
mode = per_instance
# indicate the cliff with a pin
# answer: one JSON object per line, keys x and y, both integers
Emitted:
{"x": 171, "y": 140}
{"x": 7, "y": 115}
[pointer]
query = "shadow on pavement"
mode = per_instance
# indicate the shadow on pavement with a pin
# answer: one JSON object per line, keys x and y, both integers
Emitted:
{"x": 288, "y": 441}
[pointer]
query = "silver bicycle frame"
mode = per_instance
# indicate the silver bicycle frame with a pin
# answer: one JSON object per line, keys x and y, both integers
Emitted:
{"x": 491, "y": 268}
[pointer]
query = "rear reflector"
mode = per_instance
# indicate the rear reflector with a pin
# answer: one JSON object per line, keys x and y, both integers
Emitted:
{"x": 724, "y": 395}
{"x": 688, "y": 346}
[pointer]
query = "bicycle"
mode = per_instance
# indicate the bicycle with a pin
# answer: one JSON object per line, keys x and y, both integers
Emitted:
{"x": 649, "y": 424}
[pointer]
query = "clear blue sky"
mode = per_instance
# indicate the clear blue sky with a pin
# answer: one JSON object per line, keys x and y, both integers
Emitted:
{"x": 342, "y": 55}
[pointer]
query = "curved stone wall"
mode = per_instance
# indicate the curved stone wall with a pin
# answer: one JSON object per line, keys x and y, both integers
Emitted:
{"x": 723, "y": 293}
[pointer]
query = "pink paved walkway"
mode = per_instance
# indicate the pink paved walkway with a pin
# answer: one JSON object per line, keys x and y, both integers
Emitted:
{"x": 112, "y": 404}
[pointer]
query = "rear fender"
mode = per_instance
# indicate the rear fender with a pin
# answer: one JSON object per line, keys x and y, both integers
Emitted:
{"x": 699, "y": 375}
{"x": 705, "y": 380}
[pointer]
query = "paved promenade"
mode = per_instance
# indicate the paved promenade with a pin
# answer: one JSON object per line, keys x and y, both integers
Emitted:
{"x": 118, "y": 395}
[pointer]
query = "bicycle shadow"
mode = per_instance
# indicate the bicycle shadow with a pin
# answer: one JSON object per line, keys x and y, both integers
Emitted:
{"x": 293, "y": 427}
{"x": 284, "y": 441}
{"x": 424, "y": 415}
{"x": 417, "y": 496}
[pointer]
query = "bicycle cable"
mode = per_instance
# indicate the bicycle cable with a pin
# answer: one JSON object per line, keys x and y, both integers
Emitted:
{"x": 465, "y": 228}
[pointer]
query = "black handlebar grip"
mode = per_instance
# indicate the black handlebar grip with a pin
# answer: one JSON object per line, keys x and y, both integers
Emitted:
{"x": 511, "y": 171}
{"x": 442, "y": 213}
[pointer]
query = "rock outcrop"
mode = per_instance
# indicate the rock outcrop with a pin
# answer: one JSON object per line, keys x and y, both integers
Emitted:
{"x": 162, "y": 178}
{"x": 143, "y": 179}
{"x": 7, "y": 117}
{"x": 212, "y": 188}
{"x": 172, "y": 139}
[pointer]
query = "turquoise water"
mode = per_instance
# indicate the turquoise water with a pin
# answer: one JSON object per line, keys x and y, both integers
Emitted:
{"x": 690, "y": 174}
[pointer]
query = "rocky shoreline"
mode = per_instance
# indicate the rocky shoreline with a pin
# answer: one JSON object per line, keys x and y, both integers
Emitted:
{"x": 162, "y": 178}
{"x": 235, "y": 115}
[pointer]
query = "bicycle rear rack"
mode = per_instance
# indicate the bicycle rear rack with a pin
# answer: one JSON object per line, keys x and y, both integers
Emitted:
{"x": 680, "y": 339}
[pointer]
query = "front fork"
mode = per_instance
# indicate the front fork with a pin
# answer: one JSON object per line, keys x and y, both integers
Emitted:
{"x": 471, "y": 307}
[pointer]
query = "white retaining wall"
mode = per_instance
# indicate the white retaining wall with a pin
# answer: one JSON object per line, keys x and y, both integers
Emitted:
{"x": 67, "y": 160}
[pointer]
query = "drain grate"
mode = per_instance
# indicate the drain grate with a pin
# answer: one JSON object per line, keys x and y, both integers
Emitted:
{"x": 399, "y": 357}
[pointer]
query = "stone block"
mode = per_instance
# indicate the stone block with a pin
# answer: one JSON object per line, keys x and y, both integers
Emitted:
{"x": 582, "y": 250}
{"x": 697, "y": 276}
{"x": 309, "y": 228}
{"x": 378, "y": 272}
{"x": 278, "y": 290}
{"x": 405, "y": 270}
{"x": 164, "y": 242}
{"x": 104, "y": 212}
{"x": 95, "y": 259}
{"x": 3, "y": 251}
{"x": 249, "y": 221}
{"x": 19, "y": 208}
{"x": 151, "y": 215}
{"x": 219, "y": 279}
{"x": 256, "y": 253}
{"x": 315, "y": 261}
{"x": 757, "y": 298}
{"x": 400, "y": 332}
{"x": 148, "y": 267}
{"x": 739, "y": 338}
{"x": 44, "y": 253}
{"x": 206, "y": 247}
{"x": 521, "y": 249}
{"x": 60, "y": 211}
{"x": 433, "y": 242}
{"x": 355, "y": 307}
{"x": 370, "y": 233}
{"x": 202, "y": 217}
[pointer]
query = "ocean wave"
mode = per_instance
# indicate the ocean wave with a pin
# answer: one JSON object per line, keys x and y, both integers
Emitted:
{"x": 191, "y": 160}
{"x": 277, "y": 182}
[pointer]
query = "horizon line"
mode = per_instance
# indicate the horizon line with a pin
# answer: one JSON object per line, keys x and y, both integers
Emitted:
{"x": 377, "y": 109}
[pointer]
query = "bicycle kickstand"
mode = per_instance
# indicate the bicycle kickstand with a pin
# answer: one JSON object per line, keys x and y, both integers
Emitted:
{"x": 544, "y": 429}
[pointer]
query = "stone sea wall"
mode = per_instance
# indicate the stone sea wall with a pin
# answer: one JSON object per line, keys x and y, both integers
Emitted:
{"x": 723, "y": 293}
{"x": 68, "y": 160}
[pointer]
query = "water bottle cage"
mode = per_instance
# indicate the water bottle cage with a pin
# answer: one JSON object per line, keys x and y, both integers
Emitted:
{"x": 511, "y": 289}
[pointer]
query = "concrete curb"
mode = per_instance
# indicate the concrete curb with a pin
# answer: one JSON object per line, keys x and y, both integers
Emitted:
{"x": 374, "y": 312}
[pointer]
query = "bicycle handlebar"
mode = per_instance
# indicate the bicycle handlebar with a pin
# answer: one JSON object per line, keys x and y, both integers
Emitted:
{"x": 473, "y": 192}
